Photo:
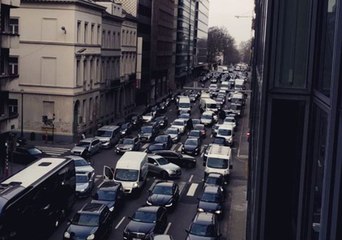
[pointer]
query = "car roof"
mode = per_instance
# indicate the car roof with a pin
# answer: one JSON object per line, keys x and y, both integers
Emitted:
{"x": 164, "y": 183}
{"x": 211, "y": 189}
{"x": 109, "y": 185}
{"x": 148, "y": 209}
{"x": 92, "y": 207}
{"x": 204, "y": 217}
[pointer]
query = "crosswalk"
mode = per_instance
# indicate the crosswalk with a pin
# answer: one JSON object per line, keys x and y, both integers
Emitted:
{"x": 53, "y": 151}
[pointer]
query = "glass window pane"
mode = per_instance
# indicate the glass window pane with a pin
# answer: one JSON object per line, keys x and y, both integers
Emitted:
{"x": 326, "y": 41}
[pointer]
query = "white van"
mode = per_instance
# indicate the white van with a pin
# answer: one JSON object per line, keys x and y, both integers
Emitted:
{"x": 131, "y": 171}
{"x": 109, "y": 135}
{"x": 238, "y": 98}
{"x": 239, "y": 84}
{"x": 227, "y": 132}
{"x": 208, "y": 104}
{"x": 184, "y": 104}
{"x": 219, "y": 160}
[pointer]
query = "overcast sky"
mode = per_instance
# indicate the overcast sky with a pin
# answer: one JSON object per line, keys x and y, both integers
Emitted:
{"x": 223, "y": 12}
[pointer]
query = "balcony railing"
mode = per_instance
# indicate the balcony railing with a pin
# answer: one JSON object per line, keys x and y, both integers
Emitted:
{"x": 9, "y": 40}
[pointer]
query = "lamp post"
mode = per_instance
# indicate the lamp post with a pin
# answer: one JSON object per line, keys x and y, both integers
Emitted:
{"x": 22, "y": 113}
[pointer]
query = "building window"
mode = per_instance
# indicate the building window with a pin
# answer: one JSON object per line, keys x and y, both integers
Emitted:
{"x": 84, "y": 112}
{"x": 92, "y": 34}
{"x": 104, "y": 38}
{"x": 326, "y": 32}
{"x": 86, "y": 32}
{"x": 13, "y": 66}
{"x": 98, "y": 34}
{"x": 12, "y": 107}
{"x": 78, "y": 73}
{"x": 78, "y": 31}
{"x": 14, "y": 26}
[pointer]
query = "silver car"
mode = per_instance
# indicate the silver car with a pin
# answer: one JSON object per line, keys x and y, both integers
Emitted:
{"x": 81, "y": 165}
{"x": 162, "y": 167}
{"x": 85, "y": 182}
{"x": 86, "y": 147}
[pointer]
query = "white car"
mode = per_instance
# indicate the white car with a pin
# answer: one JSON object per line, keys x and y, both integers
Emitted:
{"x": 86, "y": 147}
{"x": 230, "y": 121}
{"x": 208, "y": 118}
{"x": 81, "y": 165}
{"x": 227, "y": 132}
{"x": 180, "y": 124}
{"x": 148, "y": 117}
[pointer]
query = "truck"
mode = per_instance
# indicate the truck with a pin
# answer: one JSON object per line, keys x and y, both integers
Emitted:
{"x": 218, "y": 160}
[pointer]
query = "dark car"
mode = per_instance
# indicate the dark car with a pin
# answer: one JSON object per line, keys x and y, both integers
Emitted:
{"x": 202, "y": 128}
{"x": 128, "y": 144}
{"x": 214, "y": 179}
{"x": 125, "y": 129}
{"x": 165, "y": 138}
{"x": 192, "y": 146}
{"x": 164, "y": 194}
{"x": 212, "y": 200}
{"x": 93, "y": 221}
{"x": 204, "y": 227}
{"x": 161, "y": 121}
{"x": 162, "y": 107}
{"x": 145, "y": 223}
{"x": 220, "y": 141}
{"x": 156, "y": 147}
{"x": 195, "y": 134}
{"x": 173, "y": 133}
{"x": 111, "y": 194}
{"x": 179, "y": 159}
{"x": 26, "y": 154}
{"x": 196, "y": 121}
{"x": 135, "y": 120}
{"x": 148, "y": 133}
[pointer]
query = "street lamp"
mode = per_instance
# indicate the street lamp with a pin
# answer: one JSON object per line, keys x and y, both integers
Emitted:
{"x": 22, "y": 113}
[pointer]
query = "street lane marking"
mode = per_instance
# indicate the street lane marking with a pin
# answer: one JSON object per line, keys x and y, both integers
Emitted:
{"x": 192, "y": 189}
{"x": 191, "y": 177}
{"x": 173, "y": 147}
{"x": 243, "y": 120}
{"x": 118, "y": 225}
{"x": 145, "y": 145}
{"x": 98, "y": 176}
{"x": 167, "y": 228}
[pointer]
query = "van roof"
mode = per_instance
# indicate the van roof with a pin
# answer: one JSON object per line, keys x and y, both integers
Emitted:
{"x": 131, "y": 159}
{"x": 216, "y": 149}
{"x": 209, "y": 100}
{"x": 108, "y": 128}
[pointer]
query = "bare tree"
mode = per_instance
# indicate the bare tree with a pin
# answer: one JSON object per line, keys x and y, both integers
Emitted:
{"x": 245, "y": 51}
{"x": 221, "y": 42}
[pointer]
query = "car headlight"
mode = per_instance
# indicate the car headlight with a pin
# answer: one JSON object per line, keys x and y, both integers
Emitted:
{"x": 67, "y": 235}
{"x": 169, "y": 204}
{"x": 218, "y": 211}
{"x": 200, "y": 209}
{"x": 91, "y": 237}
{"x": 135, "y": 185}
{"x": 111, "y": 209}
{"x": 123, "y": 132}
{"x": 130, "y": 149}
{"x": 148, "y": 203}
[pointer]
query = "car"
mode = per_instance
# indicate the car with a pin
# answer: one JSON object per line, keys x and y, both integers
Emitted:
{"x": 163, "y": 237}
{"x": 204, "y": 226}
{"x": 165, "y": 194}
{"x": 195, "y": 134}
{"x": 85, "y": 182}
{"x": 184, "y": 115}
{"x": 148, "y": 117}
{"x": 86, "y": 147}
{"x": 164, "y": 138}
{"x": 173, "y": 133}
{"x": 125, "y": 129}
{"x": 214, "y": 129}
{"x": 135, "y": 119}
{"x": 148, "y": 133}
{"x": 161, "y": 121}
{"x": 213, "y": 80}
{"x": 162, "y": 167}
{"x": 196, "y": 121}
{"x": 207, "y": 118}
{"x": 192, "y": 146}
{"x": 177, "y": 158}
{"x": 181, "y": 124}
{"x": 230, "y": 121}
{"x": 155, "y": 147}
{"x": 215, "y": 179}
{"x": 128, "y": 144}
{"x": 202, "y": 128}
{"x": 146, "y": 222}
{"x": 81, "y": 165}
{"x": 111, "y": 194}
{"x": 212, "y": 200}
{"x": 26, "y": 154}
{"x": 92, "y": 221}
{"x": 193, "y": 97}
{"x": 220, "y": 141}
{"x": 227, "y": 132}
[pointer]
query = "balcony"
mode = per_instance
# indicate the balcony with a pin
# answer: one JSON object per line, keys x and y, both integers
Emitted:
{"x": 9, "y": 40}
{"x": 9, "y": 116}
{"x": 13, "y": 3}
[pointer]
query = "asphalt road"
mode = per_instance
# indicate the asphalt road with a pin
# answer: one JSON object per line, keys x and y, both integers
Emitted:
{"x": 190, "y": 184}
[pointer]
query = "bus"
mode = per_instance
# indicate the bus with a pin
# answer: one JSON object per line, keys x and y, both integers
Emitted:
{"x": 34, "y": 201}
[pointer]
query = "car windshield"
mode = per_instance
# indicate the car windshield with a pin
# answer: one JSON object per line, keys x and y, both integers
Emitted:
{"x": 126, "y": 175}
{"x": 184, "y": 105}
{"x": 162, "y": 161}
{"x": 213, "y": 181}
{"x": 202, "y": 230}
{"x": 206, "y": 116}
{"x": 82, "y": 144}
{"x": 191, "y": 142}
{"x": 196, "y": 121}
{"x": 34, "y": 151}
{"x": 161, "y": 139}
{"x": 199, "y": 127}
{"x": 225, "y": 132}
{"x": 80, "y": 162}
{"x": 106, "y": 195}
{"x": 178, "y": 123}
{"x": 128, "y": 141}
{"x": 210, "y": 197}
{"x": 172, "y": 131}
{"x": 194, "y": 133}
{"x": 164, "y": 190}
{"x": 146, "y": 129}
{"x": 156, "y": 147}
{"x": 147, "y": 217}
{"x": 229, "y": 120}
{"x": 217, "y": 163}
{"x": 184, "y": 116}
{"x": 85, "y": 219}
{"x": 82, "y": 179}
{"x": 212, "y": 105}
{"x": 101, "y": 133}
